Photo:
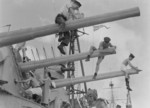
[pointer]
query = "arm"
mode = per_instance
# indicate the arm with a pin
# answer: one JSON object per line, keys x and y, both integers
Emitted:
{"x": 72, "y": 14}
{"x": 131, "y": 65}
{"x": 75, "y": 14}
{"x": 100, "y": 46}
{"x": 23, "y": 81}
{"x": 78, "y": 14}
{"x": 110, "y": 45}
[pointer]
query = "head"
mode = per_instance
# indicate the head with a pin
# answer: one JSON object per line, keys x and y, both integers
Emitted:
{"x": 91, "y": 95}
{"x": 28, "y": 75}
{"x": 118, "y": 106}
{"x": 76, "y": 5}
{"x": 107, "y": 39}
{"x": 131, "y": 56}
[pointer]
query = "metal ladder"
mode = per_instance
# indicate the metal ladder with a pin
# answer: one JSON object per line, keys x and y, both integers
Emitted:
{"x": 75, "y": 48}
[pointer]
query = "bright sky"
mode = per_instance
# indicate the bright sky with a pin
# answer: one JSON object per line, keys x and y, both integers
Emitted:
{"x": 129, "y": 35}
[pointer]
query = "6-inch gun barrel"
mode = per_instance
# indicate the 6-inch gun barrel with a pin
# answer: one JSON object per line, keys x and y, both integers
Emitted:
{"x": 17, "y": 36}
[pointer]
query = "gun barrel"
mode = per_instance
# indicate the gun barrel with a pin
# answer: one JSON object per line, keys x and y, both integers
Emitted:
{"x": 68, "y": 58}
{"x": 72, "y": 81}
{"x": 17, "y": 36}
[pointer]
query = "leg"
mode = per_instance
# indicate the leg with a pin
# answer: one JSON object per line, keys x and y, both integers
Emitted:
{"x": 127, "y": 84}
{"x": 67, "y": 69}
{"x": 64, "y": 42}
{"x": 61, "y": 36}
{"x": 97, "y": 66}
{"x": 127, "y": 79}
{"x": 73, "y": 34}
{"x": 60, "y": 20}
{"x": 92, "y": 49}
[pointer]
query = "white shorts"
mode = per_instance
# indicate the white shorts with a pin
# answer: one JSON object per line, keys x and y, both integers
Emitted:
{"x": 37, "y": 91}
{"x": 123, "y": 67}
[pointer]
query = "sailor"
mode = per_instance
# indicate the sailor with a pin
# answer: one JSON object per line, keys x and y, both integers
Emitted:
{"x": 91, "y": 96}
{"x": 31, "y": 80}
{"x": 32, "y": 85}
{"x": 94, "y": 101}
{"x": 35, "y": 86}
{"x": 103, "y": 45}
{"x": 124, "y": 65}
{"x": 57, "y": 71}
{"x": 68, "y": 13}
{"x": 49, "y": 78}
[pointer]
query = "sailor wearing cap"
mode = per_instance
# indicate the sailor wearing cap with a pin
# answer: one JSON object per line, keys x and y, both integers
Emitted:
{"x": 103, "y": 45}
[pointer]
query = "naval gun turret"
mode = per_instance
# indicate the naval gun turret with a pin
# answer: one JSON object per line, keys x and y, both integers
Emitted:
{"x": 10, "y": 69}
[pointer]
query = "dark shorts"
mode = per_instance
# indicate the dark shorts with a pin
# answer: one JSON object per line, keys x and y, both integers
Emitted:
{"x": 66, "y": 39}
{"x": 60, "y": 18}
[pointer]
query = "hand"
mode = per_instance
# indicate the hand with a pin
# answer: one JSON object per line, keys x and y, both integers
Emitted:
{"x": 136, "y": 68}
{"x": 62, "y": 27}
{"x": 15, "y": 81}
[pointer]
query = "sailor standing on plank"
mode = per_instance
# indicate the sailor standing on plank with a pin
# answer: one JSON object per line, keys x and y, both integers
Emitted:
{"x": 124, "y": 65}
{"x": 68, "y": 13}
{"x": 103, "y": 45}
